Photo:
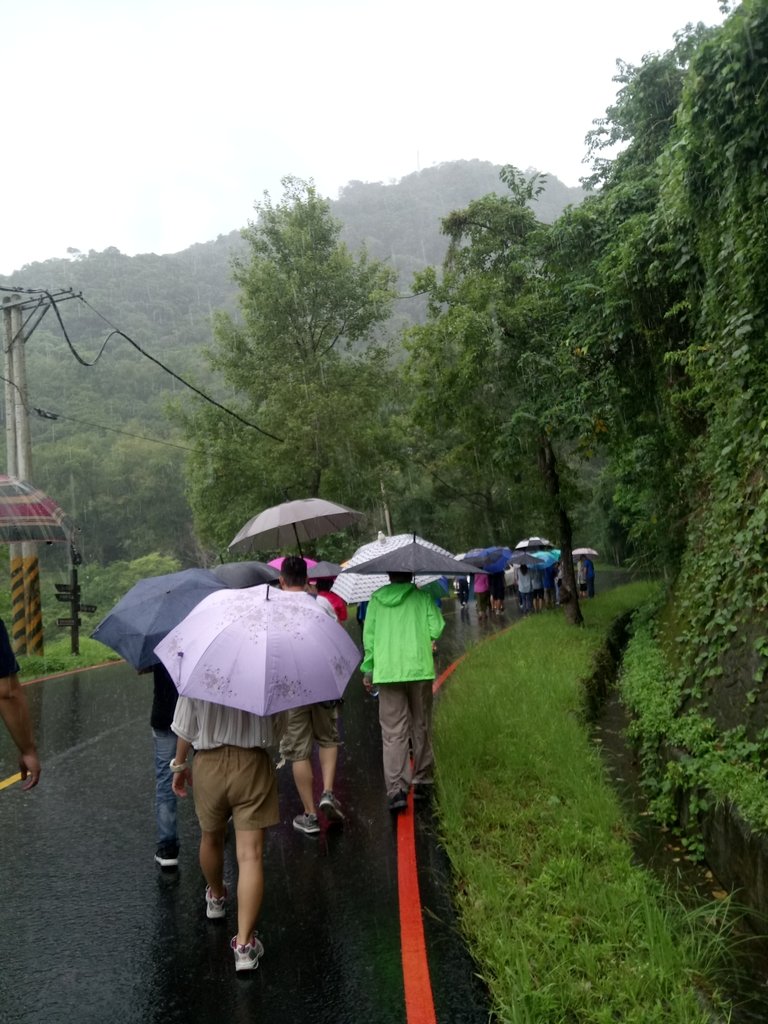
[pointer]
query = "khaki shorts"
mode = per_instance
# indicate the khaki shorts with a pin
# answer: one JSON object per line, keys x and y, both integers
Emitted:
{"x": 483, "y": 600}
{"x": 306, "y": 726}
{"x": 237, "y": 781}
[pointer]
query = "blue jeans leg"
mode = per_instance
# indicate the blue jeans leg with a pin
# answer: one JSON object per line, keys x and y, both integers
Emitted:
{"x": 165, "y": 798}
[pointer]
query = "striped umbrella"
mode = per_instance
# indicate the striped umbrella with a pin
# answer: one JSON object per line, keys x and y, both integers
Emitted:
{"x": 29, "y": 514}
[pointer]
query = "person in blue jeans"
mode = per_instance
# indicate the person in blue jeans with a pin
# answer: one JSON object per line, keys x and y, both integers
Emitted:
{"x": 163, "y": 707}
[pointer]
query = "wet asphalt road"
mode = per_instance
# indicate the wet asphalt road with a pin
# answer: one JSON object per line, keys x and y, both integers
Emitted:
{"x": 92, "y": 930}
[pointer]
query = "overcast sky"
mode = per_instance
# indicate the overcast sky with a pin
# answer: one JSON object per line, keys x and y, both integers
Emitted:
{"x": 153, "y": 124}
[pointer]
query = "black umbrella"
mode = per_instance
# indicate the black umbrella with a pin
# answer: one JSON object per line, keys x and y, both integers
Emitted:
{"x": 324, "y": 571}
{"x": 413, "y": 558}
{"x": 150, "y": 610}
{"x": 523, "y": 558}
{"x": 238, "y": 575}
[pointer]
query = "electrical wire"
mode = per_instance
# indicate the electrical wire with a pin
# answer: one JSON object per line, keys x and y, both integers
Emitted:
{"x": 212, "y": 401}
{"x": 46, "y": 414}
{"x": 116, "y": 331}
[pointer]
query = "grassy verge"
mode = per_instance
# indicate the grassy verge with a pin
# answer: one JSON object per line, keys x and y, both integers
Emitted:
{"x": 563, "y": 926}
{"x": 58, "y": 657}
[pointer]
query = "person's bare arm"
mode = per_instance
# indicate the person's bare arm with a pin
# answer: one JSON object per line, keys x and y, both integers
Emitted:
{"x": 14, "y": 711}
{"x": 182, "y": 776}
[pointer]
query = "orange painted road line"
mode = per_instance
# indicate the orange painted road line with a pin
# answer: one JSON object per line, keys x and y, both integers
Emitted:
{"x": 417, "y": 985}
{"x": 448, "y": 672}
{"x": 419, "y": 1004}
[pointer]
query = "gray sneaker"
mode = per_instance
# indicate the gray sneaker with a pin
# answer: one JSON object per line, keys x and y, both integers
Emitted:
{"x": 331, "y": 807}
{"x": 398, "y": 802}
{"x": 307, "y": 823}
{"x": 247, "y": 957}
{"x": 215, "y": 906}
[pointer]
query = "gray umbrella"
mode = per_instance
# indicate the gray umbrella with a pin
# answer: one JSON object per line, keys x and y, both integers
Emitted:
{"x": 324, "y": 571}
{"x": 523, "y": 558}
{"x": 245, "y": 574}
{"x": 293, "y": 522}
{"x": 414, "y": 558}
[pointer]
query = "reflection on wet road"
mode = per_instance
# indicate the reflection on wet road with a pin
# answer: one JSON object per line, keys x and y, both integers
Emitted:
{"x": 91, "y": 930}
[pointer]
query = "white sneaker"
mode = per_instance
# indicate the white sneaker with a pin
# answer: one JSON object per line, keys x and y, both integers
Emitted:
{"x": 247, "y": 957}
{"x": 215, "y": 906}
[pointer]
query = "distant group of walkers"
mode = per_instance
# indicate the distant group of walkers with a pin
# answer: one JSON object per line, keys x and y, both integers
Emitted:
{"x": 534, "y": 587}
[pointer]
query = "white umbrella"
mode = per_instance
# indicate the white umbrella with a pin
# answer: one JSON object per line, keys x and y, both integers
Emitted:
{"x": 355, "y": 587}
{"x": 261, "y": 650}
{"x": 589, "y": 552}
{"x": 533, "y": 544}
{"x": 293, "y": 522}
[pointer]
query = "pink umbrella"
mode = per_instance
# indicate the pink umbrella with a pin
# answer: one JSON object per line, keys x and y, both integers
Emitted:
{"x": 261, "y": 650}
{"x": 277, "y": 563}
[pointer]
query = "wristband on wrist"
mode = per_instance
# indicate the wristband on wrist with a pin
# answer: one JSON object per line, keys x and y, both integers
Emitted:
{"x": 177, "y": 767}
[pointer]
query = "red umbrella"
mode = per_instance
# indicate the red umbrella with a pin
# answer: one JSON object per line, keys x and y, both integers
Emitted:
{"x": 27, "y": 513}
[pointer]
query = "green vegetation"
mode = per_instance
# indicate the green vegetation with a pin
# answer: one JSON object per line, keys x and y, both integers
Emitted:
{"x": 600, "y": 374}
{"x": 717, "y": 765}
{"x": 562, "y": 924}
{"x": 302, "y": 365}
{"x": 58, "y": 657}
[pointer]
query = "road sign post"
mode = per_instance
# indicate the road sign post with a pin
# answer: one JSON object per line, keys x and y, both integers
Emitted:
{"x": 70, "y": 593}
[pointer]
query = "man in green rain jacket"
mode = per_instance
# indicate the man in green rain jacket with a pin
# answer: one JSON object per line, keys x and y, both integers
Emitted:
{"x": 401, "y": 625}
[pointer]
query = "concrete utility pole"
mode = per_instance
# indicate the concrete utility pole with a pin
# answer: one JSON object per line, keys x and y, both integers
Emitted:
{"x": 27, "y": 617}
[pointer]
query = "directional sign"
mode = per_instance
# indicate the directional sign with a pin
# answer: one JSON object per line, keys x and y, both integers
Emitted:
{"x": 67, "y": 588}
{"x": 63, "y": 597}
{"x": 68, "y": 622}
{"x": 88, "y": 607}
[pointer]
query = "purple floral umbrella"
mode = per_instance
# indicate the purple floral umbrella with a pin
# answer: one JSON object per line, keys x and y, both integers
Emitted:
{"x": 261, "y": 650}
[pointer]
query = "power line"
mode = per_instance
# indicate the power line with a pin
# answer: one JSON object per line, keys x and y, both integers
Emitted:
{"x": 212, "y": 401}
{"x": 52, "y": 303}
{"x": 46, "y": 414}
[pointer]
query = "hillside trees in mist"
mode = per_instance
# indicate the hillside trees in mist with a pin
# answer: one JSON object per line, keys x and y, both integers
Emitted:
{"x": 295, "y": 366}
{"x": 93, "y": 452}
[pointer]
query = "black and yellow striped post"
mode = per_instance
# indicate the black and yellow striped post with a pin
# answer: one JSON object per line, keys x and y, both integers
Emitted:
{"x": 18, "y": 603}
{"x": 32, "y": 603}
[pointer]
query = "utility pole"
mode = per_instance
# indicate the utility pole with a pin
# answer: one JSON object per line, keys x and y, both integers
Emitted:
{"x": 26, "y": 613}
{"x": 12, "y": 324}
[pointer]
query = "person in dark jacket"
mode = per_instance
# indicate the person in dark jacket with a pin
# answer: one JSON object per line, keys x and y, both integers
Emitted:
{"x": 163, "y": 708}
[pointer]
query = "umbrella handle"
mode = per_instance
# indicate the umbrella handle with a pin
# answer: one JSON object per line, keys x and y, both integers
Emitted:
{"x": 298, "y": 542}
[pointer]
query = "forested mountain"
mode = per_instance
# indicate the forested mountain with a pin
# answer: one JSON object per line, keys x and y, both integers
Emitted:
{"x": 100, "y": 457}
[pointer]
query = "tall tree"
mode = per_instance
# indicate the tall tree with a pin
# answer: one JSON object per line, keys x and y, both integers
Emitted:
{"x": 496, "y": 398}
{"x": 305, "y": 364}
{"x": 620, "y": 283}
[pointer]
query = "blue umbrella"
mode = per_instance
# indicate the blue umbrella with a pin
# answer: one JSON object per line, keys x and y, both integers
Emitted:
{"x": 490, "y": 560}
{"x": 546, "y": 558}
{"x": 150, "y": 610}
